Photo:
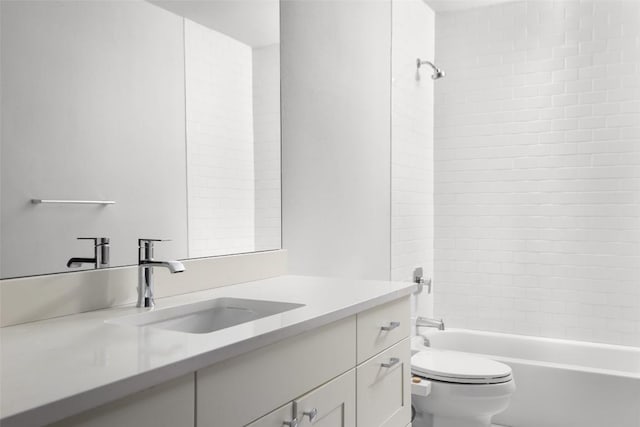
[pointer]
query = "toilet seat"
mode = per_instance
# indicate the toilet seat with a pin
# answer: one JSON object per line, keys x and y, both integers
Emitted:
{"x": 458, "y": 368}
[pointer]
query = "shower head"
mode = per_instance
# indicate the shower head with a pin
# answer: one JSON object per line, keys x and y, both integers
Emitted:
{"x": 437, "y": 72}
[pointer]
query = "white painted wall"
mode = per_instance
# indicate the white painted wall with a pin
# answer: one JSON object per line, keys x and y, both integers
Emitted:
{"x": 538, "y": 169}
{"x": 220, "y": 152}
{"x": 412, "y": 100}
{"x": 266, "y": 140}
{"x": 132, "y": 97}
{"x": 336, "y": 137}
{"x": 254, "y": 23}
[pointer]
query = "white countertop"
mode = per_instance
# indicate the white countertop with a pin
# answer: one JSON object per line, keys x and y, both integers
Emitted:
{"x": 59, "y": 367}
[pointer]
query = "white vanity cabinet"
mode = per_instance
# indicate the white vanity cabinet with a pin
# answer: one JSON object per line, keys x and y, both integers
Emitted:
{"x": 381, "y": 327}
{"x": 384, "y": 365}
{"x": 275, "y": 418}
{"x": 166, "y": 405}
{"x": 240, "y": 390}
{"x": 384, "y": 389}
{"x": 366, "y": 355}
{"x": 353, "y": 372}
{"x": 330, "y": 405}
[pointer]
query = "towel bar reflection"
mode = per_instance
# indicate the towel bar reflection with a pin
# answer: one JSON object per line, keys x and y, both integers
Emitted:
{"x": 74, "y": 202}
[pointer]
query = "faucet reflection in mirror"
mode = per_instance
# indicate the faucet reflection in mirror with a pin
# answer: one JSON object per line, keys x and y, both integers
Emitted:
{"x": 100, "y": 254}
{"x": 146, "y": 263}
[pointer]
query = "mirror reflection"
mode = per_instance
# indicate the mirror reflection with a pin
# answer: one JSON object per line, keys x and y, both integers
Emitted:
{"x": 163, "y": 116}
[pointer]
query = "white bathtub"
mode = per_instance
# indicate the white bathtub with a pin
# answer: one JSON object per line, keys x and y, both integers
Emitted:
{"x": 559, "y": 383}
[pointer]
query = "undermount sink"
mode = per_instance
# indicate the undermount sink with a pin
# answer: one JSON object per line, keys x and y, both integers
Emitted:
{"x": 207, "y": 316}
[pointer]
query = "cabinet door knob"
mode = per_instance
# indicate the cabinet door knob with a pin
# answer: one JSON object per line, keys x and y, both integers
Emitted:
{"x": 292, "y": 423}
{"x": 391, "y": 363}
{"x": 391, "y": 327}
{"x": 312, "y": 414}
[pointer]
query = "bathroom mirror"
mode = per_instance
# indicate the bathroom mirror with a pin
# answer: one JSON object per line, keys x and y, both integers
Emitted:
{"x": 163, "y": 116}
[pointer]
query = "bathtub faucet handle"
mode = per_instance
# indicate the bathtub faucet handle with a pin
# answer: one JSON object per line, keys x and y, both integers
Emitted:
{"x": 418, "y": 278}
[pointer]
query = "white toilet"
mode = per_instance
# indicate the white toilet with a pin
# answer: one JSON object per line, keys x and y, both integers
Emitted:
{"x": 462, "y": 390}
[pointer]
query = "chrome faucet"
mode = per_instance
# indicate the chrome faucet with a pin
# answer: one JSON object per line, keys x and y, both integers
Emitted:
{"x": 429, "y": 323}
{"x": 146, "y": 264}
{"x": 100, "y": 254}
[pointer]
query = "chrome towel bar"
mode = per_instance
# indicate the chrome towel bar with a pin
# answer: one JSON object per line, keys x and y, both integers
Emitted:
{"x": 74, "y": 202}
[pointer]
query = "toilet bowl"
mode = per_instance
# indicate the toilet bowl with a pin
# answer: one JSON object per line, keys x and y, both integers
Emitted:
{"x": 465, "y": 390}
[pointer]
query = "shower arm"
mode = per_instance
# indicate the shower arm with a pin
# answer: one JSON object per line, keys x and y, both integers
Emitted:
{"x": 420, "y": 62}
{"x": 437, "y": 72}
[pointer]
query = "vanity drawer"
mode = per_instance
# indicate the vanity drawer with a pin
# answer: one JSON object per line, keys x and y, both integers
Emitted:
{"x": 381, "y": 327}
{"x": 384, "y": 388}
{"x": 237, "y": 391}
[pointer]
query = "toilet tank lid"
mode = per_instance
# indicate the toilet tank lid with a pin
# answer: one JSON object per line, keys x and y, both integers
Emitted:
{"x": 455, "y": 364}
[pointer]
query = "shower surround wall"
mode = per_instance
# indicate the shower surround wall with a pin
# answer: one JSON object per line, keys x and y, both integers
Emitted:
{"x": 537, "y": 166}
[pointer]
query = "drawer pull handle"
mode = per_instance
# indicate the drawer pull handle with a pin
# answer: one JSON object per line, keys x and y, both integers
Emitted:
{"x": 312, "y": 414}
{"x": 292, "y": 423}
{"x": 391, "y": 327}
{"x": 392, "y": 362}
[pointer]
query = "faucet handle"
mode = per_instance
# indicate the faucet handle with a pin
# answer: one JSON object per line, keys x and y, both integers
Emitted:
{"x": 101, "y": 240}
{"x": 418, "y": 278}
{"x": 141, "y": 241}
{"x": 145, "y": 248}
{"x": 148, "y": 243}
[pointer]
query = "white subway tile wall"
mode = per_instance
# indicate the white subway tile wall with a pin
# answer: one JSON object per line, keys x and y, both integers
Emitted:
{"x": 266, "y": 134}
{"x": 537, "y": 169}
{"x": 221, "y": 208}
{"x": 412, "y": 141}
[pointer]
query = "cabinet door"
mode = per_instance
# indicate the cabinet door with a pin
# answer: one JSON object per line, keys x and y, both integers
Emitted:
{"x": 239, "y": 390}
{"x": 384, "y": 388}
{"x": 166, "y": 405}
{"x": 276, "y": 418}
{"x": 332, "y": 405}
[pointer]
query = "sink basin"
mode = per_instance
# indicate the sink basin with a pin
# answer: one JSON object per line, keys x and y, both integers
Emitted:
{"x": 207, "y": 316}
